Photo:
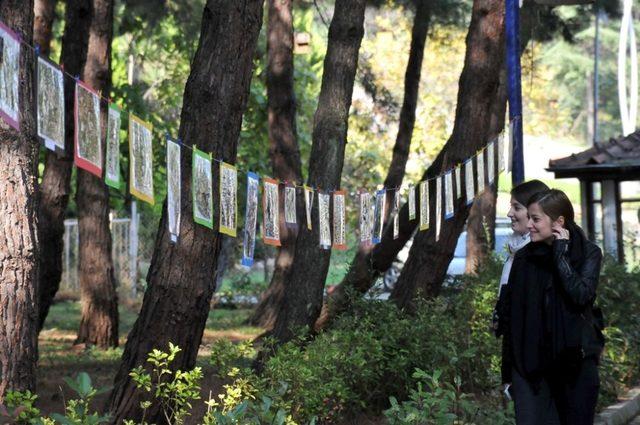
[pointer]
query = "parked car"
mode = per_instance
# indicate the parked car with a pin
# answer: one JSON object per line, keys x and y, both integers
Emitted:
{"x": 459, "y": 261}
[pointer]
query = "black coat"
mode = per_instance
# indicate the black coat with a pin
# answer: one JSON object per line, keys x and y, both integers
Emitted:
{"x": 546, "y": 312}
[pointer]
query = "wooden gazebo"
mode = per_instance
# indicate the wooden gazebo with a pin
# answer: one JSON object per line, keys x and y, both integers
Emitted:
{"x": 606, "y": 164}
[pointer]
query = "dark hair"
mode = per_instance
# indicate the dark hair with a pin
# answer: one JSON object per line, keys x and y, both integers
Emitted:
{"x": 526, "y": 190}
{"x": 554, "y": 203}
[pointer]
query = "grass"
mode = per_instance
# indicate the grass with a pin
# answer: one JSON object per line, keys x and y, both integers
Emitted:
{"x": 64, "y": 319}
{"x": 60, "y": 358}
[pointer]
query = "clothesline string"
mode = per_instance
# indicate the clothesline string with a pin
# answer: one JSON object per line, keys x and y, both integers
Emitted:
{"x": 76, "y": 78}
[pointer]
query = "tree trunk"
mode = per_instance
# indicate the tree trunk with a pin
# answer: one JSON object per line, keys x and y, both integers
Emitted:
{"x": 479, "y": 117}
{"x": 181, "y": 278}
{"x": 283, "y": 146}
{"x": 99, "y": 320}
{"x": 56, "y": 179}
{"x": 358, "y": 272}
{"x": 401, "y": 149}
{"x": 44, "y": 14}
{"x": 481, "y": 224}
{"x": 19, "y": 248}
{"x": 478, "y": 89}
{"x": 366, "y": 268}
{"x": 304, "y": 287}
{"x": 481, "y": 228}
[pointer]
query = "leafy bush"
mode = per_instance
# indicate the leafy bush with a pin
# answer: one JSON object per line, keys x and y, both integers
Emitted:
{"x": 19, "y": 408}
{"x": 372, "y": 353}
{"x": 437, "y": 402}
{"x": 77, "y": 411}
{"x": 619, "y": 298}
{"x": 441, "y": 361}
{"x": 375, "y": 351}
{"x": 174, "y": 391}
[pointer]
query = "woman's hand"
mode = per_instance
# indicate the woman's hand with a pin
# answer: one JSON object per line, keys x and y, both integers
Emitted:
{"x": 560, "y": 232}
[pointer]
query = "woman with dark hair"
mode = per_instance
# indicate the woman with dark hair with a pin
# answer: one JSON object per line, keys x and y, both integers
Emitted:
{"x": 519, "y": 221}
{"x": 526, "y": 399}
{"x": 552, "y": 330}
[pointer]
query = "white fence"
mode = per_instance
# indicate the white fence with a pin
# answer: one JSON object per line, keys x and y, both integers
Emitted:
{"x": 125, "y": 252}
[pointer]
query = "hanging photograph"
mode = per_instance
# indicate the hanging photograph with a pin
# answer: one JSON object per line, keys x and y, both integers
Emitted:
{"x": 339, "y": 220}
{"x": 480, "y": 170}
{"x": 50, "y": 105}
{"x": 271, "y": 214}
{"x": 365, "y": 220}
{"x": 396, "y": 214}
{"x": 9, "y": 77}
{"x": 202, "y": 188}
{"x": 173, "y": 188}
{"x": 324, "y": 220}
{"x": 228, "y": 199}
{"x": 290, "y": 217}
{"x": 112, "y": 160}
{"x": 411, "y": 200}
{"x": 87, "y": 135}
{"x": 378, "y": 215}
{"x": 468, "y": 181}
{"x": 308, "y": 204}
{"x": 458, "y": 181}
{"x": 424, "y": 205}
{"x": 448, "y": 195}
{"x": 491, "y": 170}
{"x": 500, "y": 148}
{"x": 140, "y": 159}
{"x": 250, "y": 219}
{"x": 438, "y": 206}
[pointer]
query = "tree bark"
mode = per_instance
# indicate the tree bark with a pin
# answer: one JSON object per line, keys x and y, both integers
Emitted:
{"x": 366, "y": 268}
{"x": 283, "y": 146}
{"x": 402, "y": 146}
{"x": 44, "y": 14}
{"x": 481, "y": 224}
{"x": 56, "y": 179}
{"x": 99, "y": 320}
{"x": 304, "y": 287}
{"x": 19, "y": 248}
{"x": 181, "y": 278}
{"x": 478, "y": 89}
{"x": 338, "y": 300}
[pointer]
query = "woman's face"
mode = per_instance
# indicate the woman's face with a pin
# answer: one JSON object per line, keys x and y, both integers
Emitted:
{"x": 519, "y": 217}
{"x": 540, "y": 225}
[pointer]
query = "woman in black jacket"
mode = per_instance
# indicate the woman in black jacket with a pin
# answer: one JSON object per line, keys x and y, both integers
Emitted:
{"x": 552, "y": 335}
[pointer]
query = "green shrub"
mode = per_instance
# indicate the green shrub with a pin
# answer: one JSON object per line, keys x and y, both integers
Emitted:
{"x": 371, "y": 353}
{"x": 619, "y": 298}
{"x": 174, "y": 391}
{"x": 19, "y": 408}
{"x": 374, "y": 351}
{"x": 434, "y": 401}
{"x": 77, "y": 411}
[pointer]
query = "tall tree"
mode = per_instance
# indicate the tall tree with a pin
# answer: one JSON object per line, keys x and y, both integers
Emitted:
{"x": 181, "y": 278}
{"x": 364, "y": 271}
{"x": 535, "y": 22}
{"x": 482, "y": 215}
{"x": 19, "y": 248}
{"x": 99, "y": 320}
{"x": 479, "y": 117}
{"x": 338, "y": 299}
{"x": 305, "y": 284}
{"x": 44, "y": 14}
{"x": 56, "y": 179}
{"x": 283, "y": 145}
